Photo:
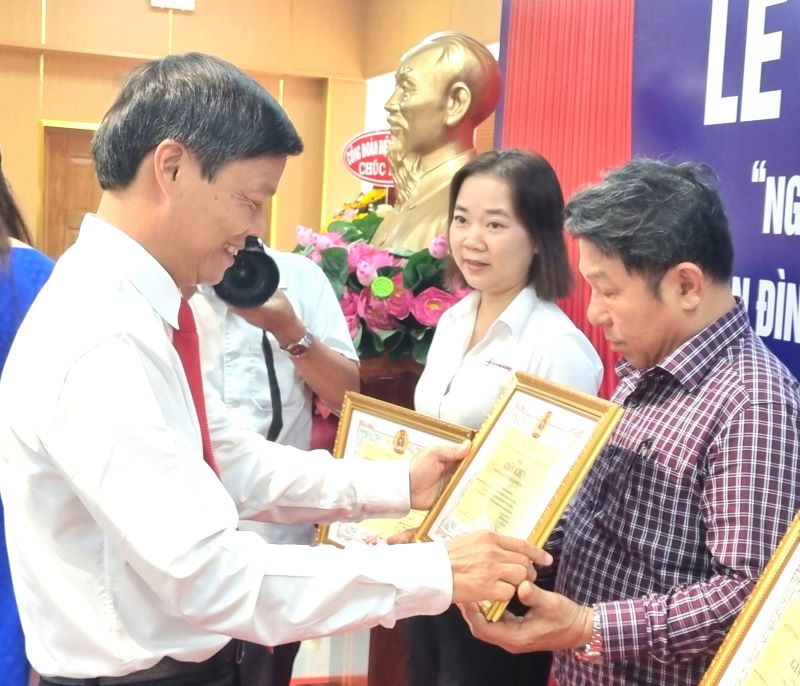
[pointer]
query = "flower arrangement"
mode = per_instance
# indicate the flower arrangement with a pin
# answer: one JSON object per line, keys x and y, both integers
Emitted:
{"x": 391, "y": 299}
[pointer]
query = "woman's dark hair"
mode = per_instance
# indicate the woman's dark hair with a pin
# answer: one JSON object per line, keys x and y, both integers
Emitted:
{"x": 539, "y": 205}
{"x": 12, "y": 225}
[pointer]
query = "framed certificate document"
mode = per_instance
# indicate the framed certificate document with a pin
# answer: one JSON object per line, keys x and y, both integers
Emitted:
{"x": 376, "y": 430}
{"x": 763, "y": 646}
{"x": 527, "y": 461}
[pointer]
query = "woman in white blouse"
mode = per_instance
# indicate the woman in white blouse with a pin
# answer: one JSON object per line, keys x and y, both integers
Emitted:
{"x": 507, "y": 241}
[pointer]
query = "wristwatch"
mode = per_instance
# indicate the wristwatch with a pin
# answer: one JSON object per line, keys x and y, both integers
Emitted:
{"x": 592, "y": 652}
{"x": 300, "y": 347}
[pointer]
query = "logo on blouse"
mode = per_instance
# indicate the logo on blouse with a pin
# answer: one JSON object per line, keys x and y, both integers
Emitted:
{"x": 491, "y": 362}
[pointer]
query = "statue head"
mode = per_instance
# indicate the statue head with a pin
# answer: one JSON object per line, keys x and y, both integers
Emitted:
{"x": 444, "y": 87}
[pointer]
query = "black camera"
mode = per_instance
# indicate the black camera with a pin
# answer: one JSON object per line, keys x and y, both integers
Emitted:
{"x": 253, "y": 277}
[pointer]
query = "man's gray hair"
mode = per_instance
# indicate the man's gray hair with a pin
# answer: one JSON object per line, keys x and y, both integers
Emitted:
{"x": 653, "y": 215}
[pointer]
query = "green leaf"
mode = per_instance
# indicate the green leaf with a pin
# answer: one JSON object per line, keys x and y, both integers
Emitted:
{"x": 420, "y": 349}
{"x": 420, "y": 257}
{"x": 352, "y": 234}
{"x": 419, "y": 334}
{"x": 422, "y": 270}
{"x": 334, "y": 264}
{"x": 386, "y": 336}
{"x": 359, "y": 334}
{"x": 381, "y": 341}
{"x": 396, "y": 343}
{"x": 402, "y": 347}
{"x": 401, "y": 252}
{"x": 338, "y": 289}
{"x": 389, "y": 270}
{"x": 368, "y": 225}
{"x": 340, "y": 226}
{"x": 376, "y": 343}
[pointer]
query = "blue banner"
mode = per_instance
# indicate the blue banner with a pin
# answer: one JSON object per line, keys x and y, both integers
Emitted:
{"x": 718, "y": 81}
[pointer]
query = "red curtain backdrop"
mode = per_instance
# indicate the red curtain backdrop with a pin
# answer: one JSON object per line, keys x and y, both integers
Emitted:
{"x": 568, "y": 80}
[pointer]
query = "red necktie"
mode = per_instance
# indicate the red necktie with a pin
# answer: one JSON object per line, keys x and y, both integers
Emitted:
{"x": 188, "y": 346}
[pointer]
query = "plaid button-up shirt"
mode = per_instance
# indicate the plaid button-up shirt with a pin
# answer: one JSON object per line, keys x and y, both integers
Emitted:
{"x": 683, "y": 508}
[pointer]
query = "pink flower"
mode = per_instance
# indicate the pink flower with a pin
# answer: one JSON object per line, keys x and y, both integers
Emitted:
{"x": 356, "y": 252}
{"x": 321, "y": 408}
{"x": 439, "y": 247}
{"x": 381, "y": 258}
{"x": 315, "y": 256}
{"x": 430, "y": 305}
{"x": 365, "y": 272}
{"x": 305, "y": 236}
{"x": 374, "y": 312}
{"x": 398, "y": 304}
{"x": 323, "y": 241}
{"x": 352, "y": 325}
{"x": 329, "y": 239}
{"x": 336, "y": 240}
{"x": 349, "y": 303}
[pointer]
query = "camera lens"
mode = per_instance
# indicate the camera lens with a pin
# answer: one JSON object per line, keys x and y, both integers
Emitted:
{"x": 252, "y": 278}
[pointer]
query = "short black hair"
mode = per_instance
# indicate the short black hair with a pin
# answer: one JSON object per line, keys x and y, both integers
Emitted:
{"x": 538, "y": 203}
{"x": 209, "y": 105}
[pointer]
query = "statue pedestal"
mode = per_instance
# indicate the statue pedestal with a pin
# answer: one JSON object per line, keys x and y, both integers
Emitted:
{"x": 394, "y": 382}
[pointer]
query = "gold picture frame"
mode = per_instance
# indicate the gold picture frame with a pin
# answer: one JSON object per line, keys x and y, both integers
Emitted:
{"x": 373, "y": 429}
{"x": 763, "y": 645}
{"x": 527, "y": 461}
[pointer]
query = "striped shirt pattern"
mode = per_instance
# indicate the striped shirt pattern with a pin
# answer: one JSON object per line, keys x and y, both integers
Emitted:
{"x": 684, "y": 506}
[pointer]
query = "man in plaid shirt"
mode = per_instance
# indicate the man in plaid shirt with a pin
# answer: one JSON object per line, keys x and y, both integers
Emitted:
{"x": 693, "y": 491}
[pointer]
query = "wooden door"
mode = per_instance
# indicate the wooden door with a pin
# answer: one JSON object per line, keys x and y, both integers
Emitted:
{"x": 70, "y": 186}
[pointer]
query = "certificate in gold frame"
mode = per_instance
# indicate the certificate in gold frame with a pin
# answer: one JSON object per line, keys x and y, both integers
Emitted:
{"x": 373, "y": 429}
{"x": 762, "y": 647}
{"x": 527, "y": 461}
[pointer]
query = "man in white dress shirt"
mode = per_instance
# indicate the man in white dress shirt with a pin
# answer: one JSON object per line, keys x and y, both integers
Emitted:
{"x": 125, "y": 555}
{"x": 311, "y": 352}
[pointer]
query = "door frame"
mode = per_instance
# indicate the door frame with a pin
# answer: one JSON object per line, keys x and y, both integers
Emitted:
{"x": 44, "y": 125}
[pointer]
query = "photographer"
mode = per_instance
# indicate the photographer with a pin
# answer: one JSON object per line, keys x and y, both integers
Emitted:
{"x": 253, "y": 381}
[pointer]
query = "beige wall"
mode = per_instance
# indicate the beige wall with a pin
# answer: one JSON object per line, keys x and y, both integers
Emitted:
{"x": 394, "y": 26}
{"x": 312, "y": 54}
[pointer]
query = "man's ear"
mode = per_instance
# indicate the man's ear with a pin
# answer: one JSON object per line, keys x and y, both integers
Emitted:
{"x": 690, "y": 283}
{"x": 169, "y": 160}
{"x": 458, "y": 102}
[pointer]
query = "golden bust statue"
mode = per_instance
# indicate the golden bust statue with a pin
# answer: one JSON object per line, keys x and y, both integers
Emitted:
{"x": 444, "y": 88}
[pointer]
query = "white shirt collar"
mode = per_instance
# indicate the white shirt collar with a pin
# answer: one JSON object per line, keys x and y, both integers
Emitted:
{"x": 146, "y": 274}
{"x": 514, "y": 317}
{"x": 276, "y": 255}
{"x": 519, "y": 310}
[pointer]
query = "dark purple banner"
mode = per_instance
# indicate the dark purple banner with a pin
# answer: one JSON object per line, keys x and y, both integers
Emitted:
{"x": 718, "y": 81}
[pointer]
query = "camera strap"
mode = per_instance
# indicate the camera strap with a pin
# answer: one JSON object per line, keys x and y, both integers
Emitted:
{"x": 274, "y": 390}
